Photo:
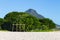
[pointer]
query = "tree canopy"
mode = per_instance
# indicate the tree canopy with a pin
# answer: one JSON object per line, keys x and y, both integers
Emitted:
{"x": 1, "y": 22}
{"x": 22, "y": 21}
{"x": 30, "y": 21}
{"x": 48, "y": 23}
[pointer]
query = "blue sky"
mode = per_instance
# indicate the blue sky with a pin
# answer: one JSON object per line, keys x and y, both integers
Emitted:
{"x": 47, "y": 8}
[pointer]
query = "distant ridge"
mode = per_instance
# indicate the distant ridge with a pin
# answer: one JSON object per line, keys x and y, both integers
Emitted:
{"x": 34, "y": 13}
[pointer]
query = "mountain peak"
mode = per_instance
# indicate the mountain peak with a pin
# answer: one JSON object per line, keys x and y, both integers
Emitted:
{"x": 34, "y": 13}
{"x": 31, "y": 10}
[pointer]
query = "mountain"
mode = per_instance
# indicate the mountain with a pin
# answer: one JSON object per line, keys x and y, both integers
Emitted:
{"x": 58, "y": 26}
{"x": 34, "y": 13}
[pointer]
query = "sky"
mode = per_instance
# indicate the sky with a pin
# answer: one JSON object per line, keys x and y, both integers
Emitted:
{"x": 47, "y": 8}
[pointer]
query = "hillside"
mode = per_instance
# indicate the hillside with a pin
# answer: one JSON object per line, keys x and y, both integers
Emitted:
{"x": 34, "y": 13}
{"x": 26, "y": 22}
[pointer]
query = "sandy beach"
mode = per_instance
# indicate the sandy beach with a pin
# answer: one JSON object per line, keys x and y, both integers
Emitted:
{"x": 29, "y": 35}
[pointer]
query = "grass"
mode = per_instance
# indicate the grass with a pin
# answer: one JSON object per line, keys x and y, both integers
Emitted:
{"x": 4, "y": 30}
{"x": 32, "y": 31}
{"x": 41, "y": 31}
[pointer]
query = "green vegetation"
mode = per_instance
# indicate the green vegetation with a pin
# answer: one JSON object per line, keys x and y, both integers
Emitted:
{"x": 1, "y": 22}
{"x": 41, "y": 31}
{"x": 24, "y": 22}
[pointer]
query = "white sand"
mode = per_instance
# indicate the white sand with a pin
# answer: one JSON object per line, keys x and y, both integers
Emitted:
{"x": 29, "y": 35}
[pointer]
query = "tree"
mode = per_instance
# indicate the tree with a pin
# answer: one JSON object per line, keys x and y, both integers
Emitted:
{"x": 31, "y": 22}
{"x": 25, "y": 22}
{"x": 48, "y": 23}
{"x": 1, "y": 22}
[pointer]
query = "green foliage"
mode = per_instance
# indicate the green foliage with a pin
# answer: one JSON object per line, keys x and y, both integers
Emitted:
{"x": 25, "y": 22}
{"x": 30, "y": 21}
{"x": 1, "y": 22}
{"x": 48, "y": 23}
